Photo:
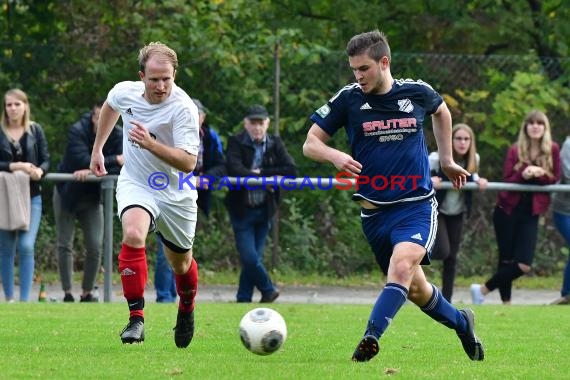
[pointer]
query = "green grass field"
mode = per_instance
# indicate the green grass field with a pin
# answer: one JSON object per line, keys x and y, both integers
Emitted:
{"x": 81, "y": 341}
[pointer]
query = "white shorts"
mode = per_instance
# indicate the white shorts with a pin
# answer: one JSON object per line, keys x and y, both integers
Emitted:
{"x": 175, "y": 222}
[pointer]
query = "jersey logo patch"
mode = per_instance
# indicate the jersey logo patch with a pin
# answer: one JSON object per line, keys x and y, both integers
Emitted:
{"x": 324, "y": 111}
{"x": 129, "y": 112}
{"x": 405, "y": 105}
{"x": 417, "y": 236}
{"x": 366, "y": 106}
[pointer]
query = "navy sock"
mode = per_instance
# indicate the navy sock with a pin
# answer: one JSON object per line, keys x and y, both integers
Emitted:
{"x": 387, "y": 305}
{"x": 439, "y": 309}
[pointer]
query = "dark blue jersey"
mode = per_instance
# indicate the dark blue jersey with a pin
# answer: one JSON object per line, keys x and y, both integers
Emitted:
{"x": 386, "y": 136}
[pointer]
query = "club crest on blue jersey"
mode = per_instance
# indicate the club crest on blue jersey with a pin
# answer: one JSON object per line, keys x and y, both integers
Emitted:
{"x": 405, "y": 105}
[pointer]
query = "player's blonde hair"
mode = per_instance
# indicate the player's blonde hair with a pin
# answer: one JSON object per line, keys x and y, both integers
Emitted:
{"x": 544, "y": 159}
{"x": 21, "y": 96}
{"x": 157, "y": 48}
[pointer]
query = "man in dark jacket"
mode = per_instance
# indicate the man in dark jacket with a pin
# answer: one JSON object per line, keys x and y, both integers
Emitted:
{"x": 255, "y": 153}
{"x": 81, "y": 201}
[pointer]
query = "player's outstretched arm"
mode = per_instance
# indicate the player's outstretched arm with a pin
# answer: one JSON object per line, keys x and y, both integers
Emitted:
{"x": 442, "y": 131}
{"x": 316, "y": 148}
{"x": 107, "y": 120}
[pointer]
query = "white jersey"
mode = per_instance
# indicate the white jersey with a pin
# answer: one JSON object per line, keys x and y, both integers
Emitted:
{"x": 174, "y": 122}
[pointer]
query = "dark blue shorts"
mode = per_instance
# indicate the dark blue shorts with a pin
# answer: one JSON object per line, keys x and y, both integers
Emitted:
{"x": 387, "y": 226}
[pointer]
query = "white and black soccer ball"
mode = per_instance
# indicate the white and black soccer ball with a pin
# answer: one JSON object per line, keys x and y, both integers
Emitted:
{"x": 263, "y": 331}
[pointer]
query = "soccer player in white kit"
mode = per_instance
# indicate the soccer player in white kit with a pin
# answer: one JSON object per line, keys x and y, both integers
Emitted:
{"x": 155, "y": 189}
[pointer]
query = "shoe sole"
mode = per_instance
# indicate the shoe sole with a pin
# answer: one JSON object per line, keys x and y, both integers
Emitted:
{"x": 183, "y": 341}
{"x": 367, "y": 349}
{"x": 479, "y": 353}
{"x": 132, "y": 340}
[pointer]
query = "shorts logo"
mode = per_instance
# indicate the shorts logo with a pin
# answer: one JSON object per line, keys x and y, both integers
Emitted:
{"x": 127, "y": 272}
{"x": 405, "y": 105}
{"x": 324, "y": 111}
{"x": 417, "y": 236}
{"x": 129, "y": 112}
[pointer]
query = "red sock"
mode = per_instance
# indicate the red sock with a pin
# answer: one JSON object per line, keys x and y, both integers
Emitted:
{"x": 134, "y": 272}
{"x": 187, "y": 287}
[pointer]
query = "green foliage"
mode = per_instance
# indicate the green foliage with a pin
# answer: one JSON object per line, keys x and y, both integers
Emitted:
{"x": 299, "y": 237}
{"x": 214, "y": 245}
{"x": 525, "y": 92}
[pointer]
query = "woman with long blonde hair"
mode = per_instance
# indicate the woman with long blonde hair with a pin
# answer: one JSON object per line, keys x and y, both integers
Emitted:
{"x": 533, "y": 159}
{"x": 453, "y": 205}
{"x": 23, "y": 147}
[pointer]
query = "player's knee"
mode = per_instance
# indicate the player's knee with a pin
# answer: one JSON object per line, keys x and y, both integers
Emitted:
{"x": 134, "y": 236}
{"x": 401, "y": 269}
{"x": 183, "y": 263}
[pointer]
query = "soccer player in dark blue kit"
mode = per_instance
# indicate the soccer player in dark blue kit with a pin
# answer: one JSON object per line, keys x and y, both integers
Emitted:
{"x": 383, "y": 119}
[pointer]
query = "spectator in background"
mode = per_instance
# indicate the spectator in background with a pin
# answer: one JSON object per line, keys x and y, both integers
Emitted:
{"x": 254, "y": 153}
{"x": 453, "y": 204}
{"x": 81, "y": 201}
{"x": 23, "y": 147}
{"x": 533, "y": 159}
{"x": 210, "y": 162}
{"x": 561, "y": 215}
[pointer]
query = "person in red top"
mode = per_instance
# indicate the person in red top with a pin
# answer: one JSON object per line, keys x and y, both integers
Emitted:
{"x": 533, "y": 159}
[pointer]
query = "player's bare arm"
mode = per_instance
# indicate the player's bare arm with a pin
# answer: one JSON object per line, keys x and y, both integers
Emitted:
{"x": 107, "y": 120}
{"x": 316, "y": 148}
{"x": 442, "y": 131}
{"x": 175, "y": 157}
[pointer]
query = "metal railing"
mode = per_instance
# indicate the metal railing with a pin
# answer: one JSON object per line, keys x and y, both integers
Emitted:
{"x": 108, "y": 186}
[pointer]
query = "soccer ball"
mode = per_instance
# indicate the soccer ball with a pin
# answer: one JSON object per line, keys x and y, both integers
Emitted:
{"x": 262, "y": 331}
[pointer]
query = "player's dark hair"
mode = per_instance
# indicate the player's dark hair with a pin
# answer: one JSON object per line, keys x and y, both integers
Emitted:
{"x": 374, "y": 43}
